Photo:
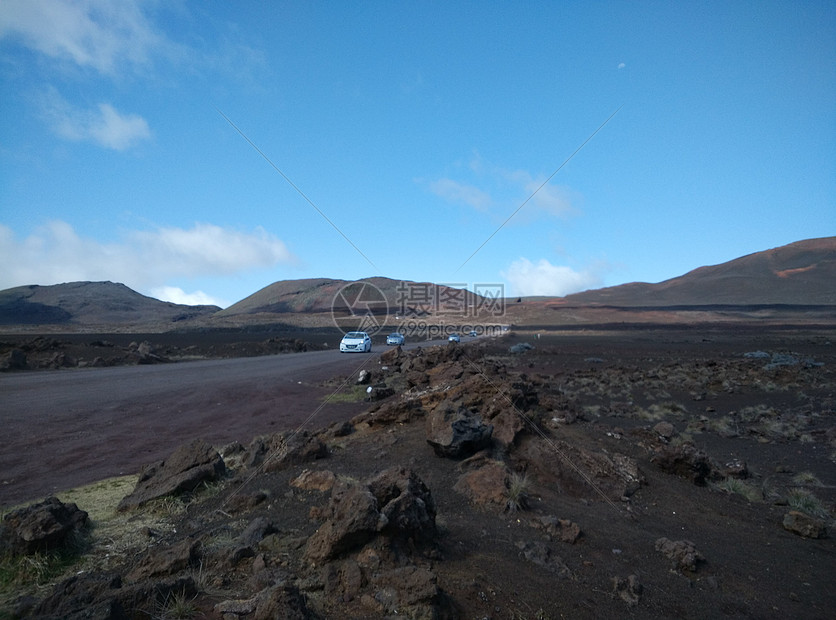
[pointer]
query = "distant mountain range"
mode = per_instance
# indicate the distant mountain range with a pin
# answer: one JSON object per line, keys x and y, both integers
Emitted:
{"x": 378, "y": 294}
{"x": 802, "y": 273}
{"x": 89, "y": 303}
{"x": 799, "y": 274}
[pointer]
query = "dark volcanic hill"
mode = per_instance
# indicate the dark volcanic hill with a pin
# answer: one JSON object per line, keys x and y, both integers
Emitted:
{"x": 798, "y": 274}
{"x": 89, "y": 303}
{"x": 383, "y": 295}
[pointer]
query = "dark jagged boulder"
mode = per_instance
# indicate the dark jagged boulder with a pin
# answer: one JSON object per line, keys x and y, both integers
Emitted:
{"x": 392, "y": 357}
{"x": 406, "y": 504}
{"x": 165, "y": 560}
{"x": 40, "y": 527}
{"x": 186, "y": 468}
{"x": 13, "y": 360}
{"x": 457, "y": 432}
{"x": 686, "y": 461}
{"x": 804, "y": 525}
{"x": 683, "y": 554}
{"x": 281, "y": 601}
{"x": 409, "y": 588}
{"x": 280, "y": 450}
{"x": 104, "y": 596}
{"x": 351, "y": 519}
{"x": 395, "y": 503}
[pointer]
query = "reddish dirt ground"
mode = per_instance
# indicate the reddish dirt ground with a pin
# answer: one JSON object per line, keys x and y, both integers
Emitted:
{"x": 780, "y": 421}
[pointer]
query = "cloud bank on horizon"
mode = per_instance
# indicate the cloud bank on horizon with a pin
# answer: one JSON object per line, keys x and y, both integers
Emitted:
{"x": 416, "y": 132}
{"x": 144, "y": 260}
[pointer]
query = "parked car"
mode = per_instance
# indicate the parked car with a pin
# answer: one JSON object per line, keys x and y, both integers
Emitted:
{"x": 356, "y": 342}
{"x": 454, "y": 338}
{"x": 395, "y": 339}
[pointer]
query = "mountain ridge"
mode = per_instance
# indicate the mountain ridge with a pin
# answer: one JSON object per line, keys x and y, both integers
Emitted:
{"x": 74, "y": 303}
{"x": 800, "y": 274}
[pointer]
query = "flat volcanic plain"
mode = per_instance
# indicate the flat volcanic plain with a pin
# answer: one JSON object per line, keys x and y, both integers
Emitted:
{"x": 644, "y": 472}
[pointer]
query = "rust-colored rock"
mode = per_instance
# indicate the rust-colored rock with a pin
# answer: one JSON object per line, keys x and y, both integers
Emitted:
{"x": 486, "y": 486}
{"x": 322, "y": 480}
{"x": 804, "y": 525}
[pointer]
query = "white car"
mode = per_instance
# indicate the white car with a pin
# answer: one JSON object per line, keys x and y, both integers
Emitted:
{"x": 454, "y": 338}
{"x": 395, "y": 338}
{"x": 356, "y": 342}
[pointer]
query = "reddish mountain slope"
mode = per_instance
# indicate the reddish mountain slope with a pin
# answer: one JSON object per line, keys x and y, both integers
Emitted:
{"x": 321, "y": 295}
{"x": 802, "y": 273}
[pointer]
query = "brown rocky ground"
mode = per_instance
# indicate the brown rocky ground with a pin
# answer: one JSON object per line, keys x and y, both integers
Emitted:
{"x": 647, "y": 473}
{"x": 74, "y": 350}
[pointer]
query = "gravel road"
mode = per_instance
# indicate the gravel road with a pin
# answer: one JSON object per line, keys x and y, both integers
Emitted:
{"x": 66, "y": 428}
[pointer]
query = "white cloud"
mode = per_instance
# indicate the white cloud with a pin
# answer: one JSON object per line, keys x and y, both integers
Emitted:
{"x": 621, "y": 65}
{"x": 550, "y": 199}
{"x": 105, "y": 126}
{"x": 177, "y": 295}
{"x": 210, "y": 249}
{"x": 542, "y": 278}
{"x": 455, "y": 191}
{"x": 118, "y": 38}
{"x": 116, "y": 131}
{"x": 503, "y": 190}
{"x": 142, "y": 260}
{"x": 103, "y": 35}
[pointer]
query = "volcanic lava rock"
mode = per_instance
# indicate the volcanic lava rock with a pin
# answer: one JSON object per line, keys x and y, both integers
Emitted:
{"x": 352, "y": 518}
{"x": 804, "y": 525}
{"x": 40, "y": 527}
{"x": 629, "y": 589}
{"x": 183, "y": 471}
{"x": 13, "y": 360}
{"x": 457, "y": 432}
{"x": 682, "y": 553}
{"x": 284, "y": 449}
{"x": 405, "y": 503}
{"x": 685, "y": 460}
{"x": 395, "y": 503}
{"x": 486, "y": 486}
{"x": 165, "y": 560}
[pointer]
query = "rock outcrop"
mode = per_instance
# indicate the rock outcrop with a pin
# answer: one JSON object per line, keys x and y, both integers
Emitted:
{"x": 683, "y": 554}
{"x": 284, "y": 449}
{"x": 395, "y": 503}
{"x": 456, "y": 432}
{"x": 41, "y": 527}
{"x": 186, "y": 468}
{"x": 804, "y": 525}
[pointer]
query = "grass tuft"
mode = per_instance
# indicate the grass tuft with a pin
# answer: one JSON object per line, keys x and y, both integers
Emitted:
{"x": 517, "y": 493}
{"x": 736, "y": 486}
{"x": 177, "y": 606}
{"x": 24, "y": 572}
{"x": 807, "y": 478}
{"x": 169, "y": 506}
{"x": 804, "y": 501}
{"x": 355, "y": 394}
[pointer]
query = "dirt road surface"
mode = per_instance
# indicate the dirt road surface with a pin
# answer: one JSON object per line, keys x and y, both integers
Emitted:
{"x": 66, "y": 428}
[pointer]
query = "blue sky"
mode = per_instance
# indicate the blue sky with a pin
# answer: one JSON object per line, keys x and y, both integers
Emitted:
{"x": 417, "y": 129}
